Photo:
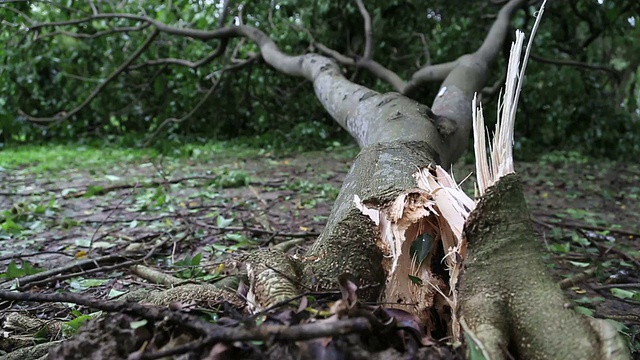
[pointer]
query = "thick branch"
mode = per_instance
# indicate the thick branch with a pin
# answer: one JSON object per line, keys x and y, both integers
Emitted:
{"x": 485, "y": 55}
{"x": 429, "y": 73}
{"x": 373, "y": 66}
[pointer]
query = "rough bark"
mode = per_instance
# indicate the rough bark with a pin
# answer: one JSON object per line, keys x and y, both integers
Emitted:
{"x": 508, "y": 299}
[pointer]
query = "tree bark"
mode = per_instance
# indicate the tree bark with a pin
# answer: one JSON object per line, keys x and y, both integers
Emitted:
{"x": 508, "y": 299}
{"x": 506, "y": 305}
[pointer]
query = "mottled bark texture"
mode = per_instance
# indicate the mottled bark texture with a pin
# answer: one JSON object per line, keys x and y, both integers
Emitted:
{"x": 508, "y": 300}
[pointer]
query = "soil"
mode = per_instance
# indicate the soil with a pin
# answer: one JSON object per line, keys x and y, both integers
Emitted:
{"x": 214, "y": 210}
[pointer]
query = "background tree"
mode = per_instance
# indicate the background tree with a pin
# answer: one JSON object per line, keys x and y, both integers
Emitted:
{"x": 581, "y": 94}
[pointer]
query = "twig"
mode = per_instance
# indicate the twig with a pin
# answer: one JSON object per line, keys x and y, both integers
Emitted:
{"x": 203, "y": 100}
{"x": 22, "y": 256}
{"x": 96, "y": 34}
{"x": 182, "y": 62}
{"x": 81, "y": 264}
{"x": 178, "y": 350}
{"x": 576, "y": 279}
{"x": 621, "y": 286}
{"x": 93, "y": 236}
{"x": 153, "y": 183}
{"x": 260, "y": 231}
{"x": 577, "y": 64}
{"x": 614, "y": 250}
{"x": 589, "y": 227}
{"x": 107, "y": 268}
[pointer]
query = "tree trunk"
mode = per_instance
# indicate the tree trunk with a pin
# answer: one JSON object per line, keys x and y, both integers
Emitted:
{"x": 507, "y": 307}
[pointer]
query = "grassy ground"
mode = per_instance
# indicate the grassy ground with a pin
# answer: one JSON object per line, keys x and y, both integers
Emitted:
{"x": 59, "y": 204}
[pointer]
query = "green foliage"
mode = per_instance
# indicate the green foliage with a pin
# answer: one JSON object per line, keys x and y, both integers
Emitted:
{"x": 227, "y": 178}
{"x": 564, "y": 108}
{"x": 72, "y": 326}
{"x": 14, "y": 272}
{"x": 189, "y": 267}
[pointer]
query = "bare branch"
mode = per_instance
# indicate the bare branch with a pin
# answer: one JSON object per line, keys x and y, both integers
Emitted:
{"x": 336, "y": 55}
{"x": 487, "y": 53}
{"x": 425, "y": 46}
{"x": 578, "y": 64}
{"x": 65, "y": 115}
{"x": 211, "y": 90}
{"x": 224, "y": 13}
{"x": 194, "y": 64}
{"x": 186, "y": 63}
{"x": 490, "y": 91}
{"x": 25, "y": 16}
{"x": 95, "y": 35}
{"x": 368, "y": 31}
{"x": 93, "y": 7}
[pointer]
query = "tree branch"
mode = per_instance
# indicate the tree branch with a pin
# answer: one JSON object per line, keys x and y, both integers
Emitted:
{"x": 429, "y": 73}
{"x": 222, "y": 47}
{"x": 578, "y": 64}
{"x": 203, "y": 100}
{"x": 95, "y": 35}
{"x": 425, "y": 46}
{"x": 65, "y": 115}
{"x": 186, "y": 63}
{"x": 324, "y": 73}
{"x": 368, "y": 31}
{"x": 487, "y": 53}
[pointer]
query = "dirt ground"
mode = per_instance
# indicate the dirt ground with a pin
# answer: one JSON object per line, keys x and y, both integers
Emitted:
{"x": 211, "y": 209}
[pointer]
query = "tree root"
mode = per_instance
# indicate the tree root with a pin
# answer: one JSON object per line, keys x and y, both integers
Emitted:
{"x": 508, "y": 300}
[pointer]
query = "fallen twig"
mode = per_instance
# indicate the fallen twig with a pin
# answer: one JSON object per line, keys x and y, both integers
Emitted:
{"x": 155, "y": 183}
{"x": 585, "y": 227}
{"x": 621, "y": 286}
{"x": 576, "y": 279}
{"x": 212, "y": 332}
{"x": 22, "y": 256}
{"x": 79, "y": 265}
{"x": 259, "y": 231}
{"x": 89, "y": 266}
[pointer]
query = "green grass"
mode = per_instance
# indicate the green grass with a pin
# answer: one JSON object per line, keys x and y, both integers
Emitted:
{"x": 48, "y": 158}
{"x": 106, "y": 154}
{"x": 40, "y": 159}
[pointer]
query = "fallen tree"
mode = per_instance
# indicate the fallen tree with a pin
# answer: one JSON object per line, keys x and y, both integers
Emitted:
{"x": 398, "y": 192}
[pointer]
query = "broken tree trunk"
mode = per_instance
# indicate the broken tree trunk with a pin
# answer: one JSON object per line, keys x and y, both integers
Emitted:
{"x": 393, "y": 195}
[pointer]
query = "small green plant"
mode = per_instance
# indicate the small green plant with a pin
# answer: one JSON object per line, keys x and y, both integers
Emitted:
{"x": 23, "y": 215}
{"x": 14, "y": 271}
{"x": 189, "y": 267}
{"x": 72, "y": 326}
{"x": 231, "y": 179}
